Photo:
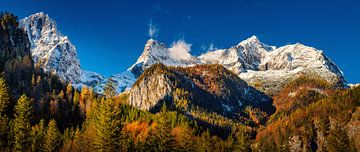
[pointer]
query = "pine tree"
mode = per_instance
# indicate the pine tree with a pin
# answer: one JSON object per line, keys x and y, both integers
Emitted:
{"x": 108, "y": 126}
{"x": 84, "y": 97}
{"x": 76, "y": 97}
{"x": 4, "y": 97}
{"x": 37, "y": 136}
{"x": 161, "y": 138}
{"x": 110, "y": 88}
{"x": 77, "y": 140}
{"x": 22, "y": 126}
{"x": 52, "y": 137}
{"x": 4, "y": 103}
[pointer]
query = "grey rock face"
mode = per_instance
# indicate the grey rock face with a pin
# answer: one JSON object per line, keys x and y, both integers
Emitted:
{"x": 146, "y": 94}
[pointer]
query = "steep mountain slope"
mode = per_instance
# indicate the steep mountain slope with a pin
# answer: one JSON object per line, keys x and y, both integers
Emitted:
{"x": 311, "y": 116}
{"x": 210, "y": 87}
{"x": 55, "y": 53}
{"x": 15, "y": 59}
{"x": 50, "y": 49}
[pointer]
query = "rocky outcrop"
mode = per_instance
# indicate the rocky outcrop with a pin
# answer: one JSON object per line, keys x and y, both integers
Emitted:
{"x": 150, "y": 93}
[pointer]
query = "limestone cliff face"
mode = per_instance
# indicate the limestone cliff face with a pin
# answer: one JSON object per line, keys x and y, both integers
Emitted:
{"x": 148, "y": 93}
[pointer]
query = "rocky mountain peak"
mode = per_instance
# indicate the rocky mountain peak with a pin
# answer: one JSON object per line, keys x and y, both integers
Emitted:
{"x": 156, "y": 52}
{"x": 50, "y": 49}
{"x": 251, "y": 40}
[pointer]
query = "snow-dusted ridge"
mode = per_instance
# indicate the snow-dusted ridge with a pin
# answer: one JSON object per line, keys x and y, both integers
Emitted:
{"x": 254, "y": 61}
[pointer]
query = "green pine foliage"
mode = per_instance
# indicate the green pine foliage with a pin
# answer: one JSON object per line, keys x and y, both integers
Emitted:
{"x": 38, "y": 133}
{"x": 108, "y": 126}
{"x": 160, "y": 138}
{"x": 52, "y": 137}
{"x": 22, "y": 126}
{"x": 4, "y": 120}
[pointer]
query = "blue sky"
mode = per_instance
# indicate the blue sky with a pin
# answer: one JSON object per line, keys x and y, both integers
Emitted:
{"x": 110, "y": 35}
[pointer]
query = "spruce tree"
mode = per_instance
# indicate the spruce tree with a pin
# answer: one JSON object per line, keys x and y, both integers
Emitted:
{"x": 37, "y": 136}
{"x": 4, "y": 103}
{"x": 160, "y": 138}
{"x": 52, "y": 137}
{"x": 21, "y": 125}
{"x": 4, "y": 97}
{"x": 108, "y": 126}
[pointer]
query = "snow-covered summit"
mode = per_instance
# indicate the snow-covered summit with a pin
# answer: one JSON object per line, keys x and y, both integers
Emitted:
{"x": 50, "y": 49}
{"x": 256, "y": 62}
{"x": 156, "y": 52}
{"x": 240, "y": 58}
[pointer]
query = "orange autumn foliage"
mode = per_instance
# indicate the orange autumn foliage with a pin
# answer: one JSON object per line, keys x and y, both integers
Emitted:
{"x": 139, "y": 130}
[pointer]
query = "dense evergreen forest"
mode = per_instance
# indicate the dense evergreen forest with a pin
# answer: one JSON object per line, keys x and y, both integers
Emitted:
{"x": 38, "y": 112}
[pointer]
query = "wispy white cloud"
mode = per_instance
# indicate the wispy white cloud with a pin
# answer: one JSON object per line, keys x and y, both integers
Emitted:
{"x": 180, "y": 50}
{"x": 153, "y": 31}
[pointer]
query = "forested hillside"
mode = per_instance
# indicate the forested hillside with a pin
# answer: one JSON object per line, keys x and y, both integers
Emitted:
{"x": 38, "y": 112}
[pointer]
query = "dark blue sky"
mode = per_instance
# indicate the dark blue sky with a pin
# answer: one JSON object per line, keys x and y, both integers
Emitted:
{"x": 110, "y": 35}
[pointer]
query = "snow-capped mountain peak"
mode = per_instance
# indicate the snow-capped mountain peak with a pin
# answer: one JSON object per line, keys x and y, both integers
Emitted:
{"x": 255, "y": 43}
{"x": 251, "y": 40}
{"x": 50, "y": 49}
{"x": 156, "y": 52}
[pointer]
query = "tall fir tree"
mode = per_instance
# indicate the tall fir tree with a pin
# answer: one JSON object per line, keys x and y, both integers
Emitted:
{"x": 4, "y": 97}
{"x": 22, "y": 124}
{"x": 108, "y": 126}
{"x": 38, "y": 136}
{"x": 4, "y": 120}
{"x": 52, "y": 137}
{"x": 161, "y": 138}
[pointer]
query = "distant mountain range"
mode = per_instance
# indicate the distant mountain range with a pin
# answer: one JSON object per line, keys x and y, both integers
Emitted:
{"x": 265, "y": 67}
